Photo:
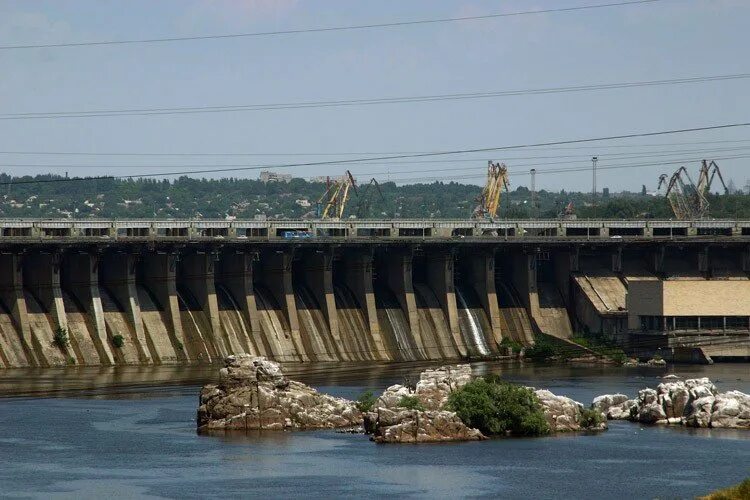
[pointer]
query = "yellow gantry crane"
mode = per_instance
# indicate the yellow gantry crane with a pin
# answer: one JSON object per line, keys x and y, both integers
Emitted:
{"x": 333, "y": 202}
{"x": 689, "y": 200}
{"x": 489, "y": 200}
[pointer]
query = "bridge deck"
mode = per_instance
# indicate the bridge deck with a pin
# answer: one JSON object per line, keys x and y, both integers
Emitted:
{"x": 26, "y": 231}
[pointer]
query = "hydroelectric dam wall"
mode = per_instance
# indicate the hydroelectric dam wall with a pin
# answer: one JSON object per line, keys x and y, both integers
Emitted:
{"x": 149, "y": 292}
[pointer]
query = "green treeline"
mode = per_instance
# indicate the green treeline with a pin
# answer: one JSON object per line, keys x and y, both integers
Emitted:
{"x": 187, "y": 197}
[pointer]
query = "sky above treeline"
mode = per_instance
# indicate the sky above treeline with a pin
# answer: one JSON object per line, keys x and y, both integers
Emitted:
{"x": 661, "y": 40}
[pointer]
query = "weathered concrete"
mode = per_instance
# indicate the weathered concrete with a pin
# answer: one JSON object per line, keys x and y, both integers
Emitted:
{"x": 11, "y": 288}
{"x": 117, "y": 273}
{"x": 203, "y": 300}
{"x": 357, "y": 273}
{"x": 276, "y": 274}
{"x": 399, "y": 278}
{"x": 441, "y": 278}
{"x": 235, "y": 271}
{"x": 80, "y": 276}
{"x": 480, "y": 273}
{"x": 318, "y": 276}
{"x": 158, "y": 273}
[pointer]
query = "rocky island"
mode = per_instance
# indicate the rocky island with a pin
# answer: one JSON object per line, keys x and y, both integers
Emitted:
{"x": 691, "y": 402}
{"x": 253, "y": 393}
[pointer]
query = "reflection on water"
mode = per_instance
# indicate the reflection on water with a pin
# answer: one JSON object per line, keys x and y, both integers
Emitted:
{"x": 585, "y": 381}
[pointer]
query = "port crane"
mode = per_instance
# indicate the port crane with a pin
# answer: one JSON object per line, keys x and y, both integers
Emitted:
{"x": 364, "y": 196}
{"x": 333, "y": 202}
{"x": 489, "y": 200}
{"x": 689, "y": 200}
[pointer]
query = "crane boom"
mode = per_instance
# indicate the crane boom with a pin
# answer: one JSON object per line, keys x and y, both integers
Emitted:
{"x": 489, "y": 200}
{"x": 689, "y": 200}
{"x": 336, "y": 196}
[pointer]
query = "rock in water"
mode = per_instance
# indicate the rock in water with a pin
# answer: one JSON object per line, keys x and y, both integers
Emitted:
{"x": 416, "y": 426}
{"x": 692, "y": 402}
{"x": 253, "y": 393}
{"x": 562, "y": 413}
{"x": 614, "y": 406}
{"x": 731, "y": 410}
{"x": 389, "y": 423}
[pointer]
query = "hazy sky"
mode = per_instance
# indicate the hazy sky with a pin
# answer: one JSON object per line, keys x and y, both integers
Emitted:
{"x": 664, "y": 40}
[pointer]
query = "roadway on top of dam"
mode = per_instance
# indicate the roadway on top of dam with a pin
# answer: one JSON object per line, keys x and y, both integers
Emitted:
{"x": 355, "y": 232}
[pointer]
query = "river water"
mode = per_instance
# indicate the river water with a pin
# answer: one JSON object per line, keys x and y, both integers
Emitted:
{"x": 131, "y": 432}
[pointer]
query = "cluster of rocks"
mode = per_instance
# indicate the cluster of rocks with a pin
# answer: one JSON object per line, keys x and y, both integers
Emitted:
{"x": 564, "y": 414}
{"x": 253, "y": 393}
{"x": 691, "y": 402}
{"x": 388, "y": 422}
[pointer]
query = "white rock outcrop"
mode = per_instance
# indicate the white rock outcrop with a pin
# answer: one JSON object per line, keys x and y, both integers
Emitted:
{"x": 416, "y": 426}
{"x": 253, "y": 393}
{"x": 614, "y": 406}
{"x": 692, "y": 402}
{"x": 389, "y": 423}
{"x": 564, "y": 414}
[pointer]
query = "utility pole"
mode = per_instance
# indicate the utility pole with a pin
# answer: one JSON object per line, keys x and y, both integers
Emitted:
{"x": 533, "y": 193}
{"x": 594, "y": 160}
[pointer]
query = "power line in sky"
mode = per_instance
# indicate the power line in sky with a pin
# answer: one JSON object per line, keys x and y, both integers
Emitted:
{"x": 395, "y": 24}
{"x": 349, "y": 153}
{"x": 396, "y": 157}
{"x": 370, "y": 101}
{"x": 603, "y": 155}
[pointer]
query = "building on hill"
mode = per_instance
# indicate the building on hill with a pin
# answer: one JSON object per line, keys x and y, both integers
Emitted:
{"x": 267, "y": 176}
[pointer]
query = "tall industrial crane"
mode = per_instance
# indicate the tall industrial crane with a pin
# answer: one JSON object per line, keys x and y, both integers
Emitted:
{"x": 489, "y": 200}
{"x": 333, "y": 202}
{"x": 365, "y": 195}
{"x": 688, "y": 199}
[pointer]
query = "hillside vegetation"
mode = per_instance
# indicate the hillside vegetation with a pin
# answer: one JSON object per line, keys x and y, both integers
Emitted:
{"x": 247, "y": 198}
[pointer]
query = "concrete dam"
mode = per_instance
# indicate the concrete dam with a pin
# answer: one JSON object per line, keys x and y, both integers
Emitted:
{"x": 157, "y": 292}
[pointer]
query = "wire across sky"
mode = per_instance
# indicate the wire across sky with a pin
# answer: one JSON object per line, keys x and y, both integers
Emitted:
{"x": 329, "y": 29}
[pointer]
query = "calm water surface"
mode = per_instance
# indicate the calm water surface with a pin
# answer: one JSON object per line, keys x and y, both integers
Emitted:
{"x": 110, "y": 432}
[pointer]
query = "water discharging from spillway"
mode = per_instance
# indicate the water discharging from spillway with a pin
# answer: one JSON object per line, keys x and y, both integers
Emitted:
{"x": 274, "y": 326}
{"x": 473, "y": 325}
{"x": 394, "y": 324}
{"x": 233, "y": 324}
{"x": 316, "y": 336}
{"x": 353, "y": 328}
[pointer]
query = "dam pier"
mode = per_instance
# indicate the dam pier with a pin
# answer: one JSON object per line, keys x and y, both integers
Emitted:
{"x": 100, "y": 292}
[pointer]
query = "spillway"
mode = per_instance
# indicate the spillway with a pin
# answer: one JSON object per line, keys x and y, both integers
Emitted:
{"x": 11, "y": 348}
{"x": 165, "y": 347}
{"x": 80, "y": 331}
{"x": 413, "y": 295}
{"x": 395, "y": 326}
{"x": 274, "y": 326}
{"x": 514, "y": 317}
{"x": 316, "y": 336}
{"x": 196, "y": 328}
{"x": 436, "y": 335}
{"x": 473, "y": 322}
{"x": 42, "y": 333}
{"x": 353, "y": 325}
{"x": 117, "y": 323}
{"x": 234, "y": 328}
